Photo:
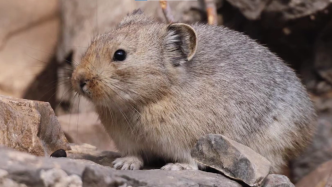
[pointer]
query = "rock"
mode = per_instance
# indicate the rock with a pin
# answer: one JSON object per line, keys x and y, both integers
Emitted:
{"x": 323, "y": 57}
{"x": 317, "y": 153}
{"x": 320, "y": 177}
{"x": 86, "y": 128}
{"x": 28, "y": 38}
{"x": 323, "y": 104}
{"x": 274, "y": 180}
{"x": 160, "y": 178}
{"x": 94, "y": 178}
{"x": 6, "y": 182}
{"x": 250, "y": 9}
{"x": 232, "y": 159}
{"x": 23, "y": 169}
{"x": 18, "y": 21}
{"x": 58, "y": 177}
{"x": 30, "y": 126}
{"x": 294, "y": 9}
{"x": 35, "y": 171}
{"x": 279, "y": 9}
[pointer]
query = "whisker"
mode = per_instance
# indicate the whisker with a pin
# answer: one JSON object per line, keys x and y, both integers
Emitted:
{"x": 70, "y": 112}
{"x": 124, "y": 116}
{"x": 53, "y": 88}
{"x": 62, "y": 97}
{"x": 124, "y": 99}
{"x": 53, "y": 83}
{"x": 78, "y": 116}
{"x": 66, "y": 68}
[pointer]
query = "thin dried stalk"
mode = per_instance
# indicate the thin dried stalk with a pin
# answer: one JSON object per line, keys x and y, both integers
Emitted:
{"x": 167, "y": 11}
{"x": 211, "y": 12}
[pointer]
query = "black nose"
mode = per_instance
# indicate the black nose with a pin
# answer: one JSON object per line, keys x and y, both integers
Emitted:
{"x": 82, "y": 84}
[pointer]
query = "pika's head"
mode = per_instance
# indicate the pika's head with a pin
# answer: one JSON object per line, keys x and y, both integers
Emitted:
{"x": 136, "y": 63}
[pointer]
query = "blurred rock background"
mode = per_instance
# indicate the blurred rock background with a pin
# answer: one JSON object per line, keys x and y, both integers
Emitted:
{"x": 41, "y": 41}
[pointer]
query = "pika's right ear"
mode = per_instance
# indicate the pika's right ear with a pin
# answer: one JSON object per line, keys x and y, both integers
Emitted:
{"x": 181, "y": 41}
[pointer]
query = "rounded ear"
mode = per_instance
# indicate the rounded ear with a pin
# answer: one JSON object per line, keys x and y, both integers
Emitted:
{"x": 181, "y": 36}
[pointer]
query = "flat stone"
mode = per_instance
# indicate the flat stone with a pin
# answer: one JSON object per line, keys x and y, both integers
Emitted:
{"x": 232, "y": 159}
{"x": 30, "y": 170}
{"x": 30, "y": 126}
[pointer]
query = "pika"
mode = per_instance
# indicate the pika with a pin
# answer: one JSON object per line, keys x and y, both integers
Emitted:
{"x": 159, "y": 87}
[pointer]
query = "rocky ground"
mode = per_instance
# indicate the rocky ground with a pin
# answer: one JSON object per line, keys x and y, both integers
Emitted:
{"x": 20, "y": 169}
{"x": 41, "y": 40}
{"x": 31, "y": 126}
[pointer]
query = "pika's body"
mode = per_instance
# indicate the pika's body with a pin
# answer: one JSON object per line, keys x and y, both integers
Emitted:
{"x": 158, "y": 88}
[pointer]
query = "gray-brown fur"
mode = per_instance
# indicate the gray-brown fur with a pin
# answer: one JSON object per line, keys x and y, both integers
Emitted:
{"x": 156, "y": 103}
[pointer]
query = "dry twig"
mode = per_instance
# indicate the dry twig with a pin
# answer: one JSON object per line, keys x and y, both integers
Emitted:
{"x": 211, "y": 11}
{"x": 167, "y": 11}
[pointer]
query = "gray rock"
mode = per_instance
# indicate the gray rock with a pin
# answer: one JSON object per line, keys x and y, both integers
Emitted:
{"x": 18, "y": 169}
{"x": 35, "y": 171}
{"x": 156, "y": 178}
{"x": 6, "y": 182}
{"x": 231, "y": 158}
{"x": 294, "y": 9}
{"x": 319, "y": 151}
{"x": 57, "y": 177}
{"x": 323, "y": 56}
{"x": 95, "y": 178}
{"x": 279, "y": 9}
{"x": 250, "y": 9}
{"x": 277, "y": 181}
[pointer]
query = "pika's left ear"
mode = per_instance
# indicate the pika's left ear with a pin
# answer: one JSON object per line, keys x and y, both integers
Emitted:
{"x": 181, "y": 37}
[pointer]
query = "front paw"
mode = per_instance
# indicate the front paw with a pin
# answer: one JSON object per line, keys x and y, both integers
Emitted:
{"x": 128, "y": 163}
{"x": 179, "y": 166}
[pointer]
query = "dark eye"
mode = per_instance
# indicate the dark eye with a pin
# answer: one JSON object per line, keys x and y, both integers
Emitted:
{"x": 119, "y": 55}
